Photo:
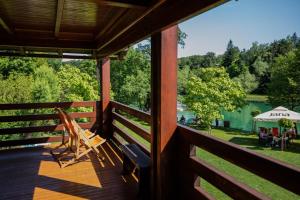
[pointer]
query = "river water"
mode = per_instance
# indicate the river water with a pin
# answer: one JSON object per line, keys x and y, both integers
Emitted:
{"x": 241, "y": 118}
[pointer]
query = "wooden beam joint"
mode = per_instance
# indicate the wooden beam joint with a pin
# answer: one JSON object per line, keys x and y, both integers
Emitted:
{"x": 59, "y": 14}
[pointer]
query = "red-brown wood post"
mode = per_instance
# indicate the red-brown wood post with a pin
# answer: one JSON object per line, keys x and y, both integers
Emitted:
{"x": 104, "y": 111}
{"x": 164, "y": 113}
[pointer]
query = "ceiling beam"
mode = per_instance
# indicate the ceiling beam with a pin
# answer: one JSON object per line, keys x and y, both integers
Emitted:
{"x": 112, "y": 38}
{"x": 59, "y": 14}
{"x": 47, "y": 43}
{"x": 157, "y": 18}
{"x": 135, "y": 4}
{"x": 6, "y": 26}
{"x": 40, "y": 55}
{"x": 111, "y": 23}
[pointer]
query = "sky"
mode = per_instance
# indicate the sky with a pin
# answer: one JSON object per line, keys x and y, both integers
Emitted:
{"x": 243, "y": 21}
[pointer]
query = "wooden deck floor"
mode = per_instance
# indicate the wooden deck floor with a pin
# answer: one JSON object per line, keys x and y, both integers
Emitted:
{"x": 33, "y": 174}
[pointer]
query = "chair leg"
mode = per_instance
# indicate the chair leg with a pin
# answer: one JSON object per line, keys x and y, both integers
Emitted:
{"x": 97, "y": 152}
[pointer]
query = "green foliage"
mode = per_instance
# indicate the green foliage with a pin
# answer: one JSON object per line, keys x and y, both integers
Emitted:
{"x": 86, "y": 66}
{"x": 76, "y": 85}
{"x": 211, "y": 90}
{"x": 46, "y": 86}
{"x": 253, "y": 63}
{"x": 136, "y": 90}
{"x": 182, "y": 80}
{"x": 284, "y": 88}
{"x": 247, "y": 81}
{"x": 18, "y": 65}
{"x": 254, "y": 113}
{"x": 130, "y": 76}
{"x": 231, "y": 59}
{"x": 16, "y": 89}
{"x": 286, "y": 123}
{"x": 197, "y": 61}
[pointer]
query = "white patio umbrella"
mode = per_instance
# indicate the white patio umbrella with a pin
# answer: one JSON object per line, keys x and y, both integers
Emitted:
{"x": 277, "y": 114}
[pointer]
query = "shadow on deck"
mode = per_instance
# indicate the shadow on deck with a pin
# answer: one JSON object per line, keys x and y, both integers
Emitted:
{"x": 32, "y": 173}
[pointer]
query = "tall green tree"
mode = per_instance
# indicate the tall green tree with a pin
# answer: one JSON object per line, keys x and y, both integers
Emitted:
{"x": 46, "y": 86}
{"x": 247, "y": 81}
{"x": 76, "y": 85}
{"x": 284, "y": 88}
{"x": 136, "y": 90}
{"x": 231, "y": 60}
{"x": 210, "y": 91}
{"x": 125, "y": 71}
{"x": 19, "y": 65}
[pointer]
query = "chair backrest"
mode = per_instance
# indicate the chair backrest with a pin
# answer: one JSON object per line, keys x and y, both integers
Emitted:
{"x": 69, "y": 127}
{"x": 275, "y": 132}
{"x": 77, "y": 130}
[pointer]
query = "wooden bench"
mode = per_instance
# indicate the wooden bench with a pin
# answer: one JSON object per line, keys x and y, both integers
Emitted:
{"x": 134, "y": 158}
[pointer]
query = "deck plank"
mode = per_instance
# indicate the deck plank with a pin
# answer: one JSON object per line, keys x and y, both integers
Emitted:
{"x": 34, "y": 174}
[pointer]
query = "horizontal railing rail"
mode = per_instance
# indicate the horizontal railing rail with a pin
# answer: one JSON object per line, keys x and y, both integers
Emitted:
{"x": 20, "y": 106}
{"x": 280, "y": 173}
{"x": 119, "y": 119}
{"x": 91, "y": 115}
{"x": 144, "y": 116}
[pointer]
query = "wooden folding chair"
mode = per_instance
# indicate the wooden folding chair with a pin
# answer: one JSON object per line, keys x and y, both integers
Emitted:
{"x": 72, "y": 151}
{"x": 66, "y": 146}
{"x": 89, "y": 140}
{"x": 79, "y": 138}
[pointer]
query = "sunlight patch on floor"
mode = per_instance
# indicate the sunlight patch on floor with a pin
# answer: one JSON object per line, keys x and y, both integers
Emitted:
{"x": 40, "y": 193}
{"x": 82, "y": 172}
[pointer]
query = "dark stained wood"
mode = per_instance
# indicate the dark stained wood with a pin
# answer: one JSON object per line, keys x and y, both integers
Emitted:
{"x": 33, "y": 129}
{"x": 191, "y": 188}
{"x": 199, "y": 193}
{"x": 39, "y": 55}
{"x": 164, "y": 112}
{"x": 36, "y": 175}
{"x": 103, "y": 67}
{"x": 34, "y": 117}
{"x": 137, "y": 4}
{"x": 5, "y": 26}
{"x": 59, "y": 14}
{"x": 46, "y": 42}
{"x": 132, "y": 126}
{"x": 280, "y": 173}
{"x": 10, "y": 143}
{"x": 45, "y": 117}
{"x": 224, "y": 182}
{"x": 110, "y": 24}
{"x": 144, "y": 116}
{"x": 47, "y": 105}
{"x": 157, "y": 17}
{"x": 104, "y": 25}
{"x": 130, "y": 139}
{"x": 111, "y": 39}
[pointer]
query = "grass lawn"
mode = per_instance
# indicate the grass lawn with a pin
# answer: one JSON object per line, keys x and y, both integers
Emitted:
{"x": 291, "y": 156}
{"x": 256, "y": 97}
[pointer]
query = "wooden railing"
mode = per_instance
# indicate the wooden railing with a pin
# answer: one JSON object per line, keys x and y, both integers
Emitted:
{"x": 121, "y": 122}
{"x": 282, "y": 174}
{"x": 191, "y": 167}
{"x": 42, "y": 117}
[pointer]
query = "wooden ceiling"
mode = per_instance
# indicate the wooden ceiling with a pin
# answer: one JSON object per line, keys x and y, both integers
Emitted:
{"x": 87, "y": 28}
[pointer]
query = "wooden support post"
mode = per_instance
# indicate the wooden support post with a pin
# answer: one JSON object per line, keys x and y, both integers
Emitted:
{"x": 164, "y": 113}
{"x": 104, "y": 111}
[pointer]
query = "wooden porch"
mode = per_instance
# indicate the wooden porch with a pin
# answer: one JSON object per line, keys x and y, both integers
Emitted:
{"x": 101, "y": 29}
{"x": 32, "y": 173}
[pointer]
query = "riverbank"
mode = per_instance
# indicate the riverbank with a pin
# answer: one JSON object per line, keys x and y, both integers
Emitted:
{"x": 257, "y": 98}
